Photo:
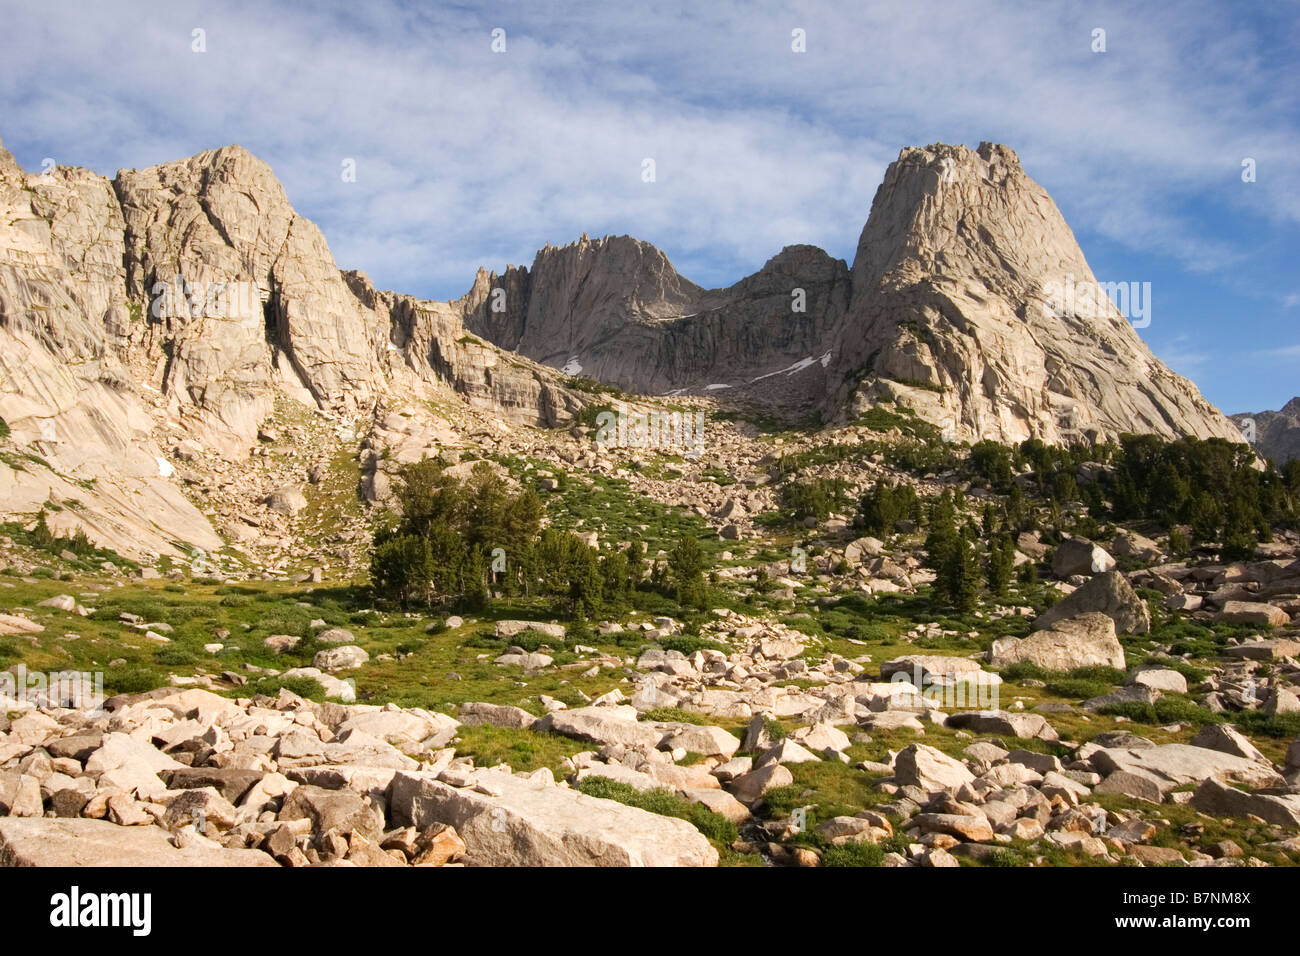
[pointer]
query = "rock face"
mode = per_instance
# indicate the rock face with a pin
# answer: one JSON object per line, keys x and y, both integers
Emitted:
{"x": 181, "y": 303}
{"x": 616, "y": 310}
{"x": 175, "y": 307}
{"x": 1276, "y": 435}
{"x": 974, "y": 304}
{"x": 66, "y": 388}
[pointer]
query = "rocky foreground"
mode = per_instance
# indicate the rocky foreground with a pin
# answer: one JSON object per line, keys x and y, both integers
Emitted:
{"x": 192, "y": 779}
{"x": 186, "y": 777}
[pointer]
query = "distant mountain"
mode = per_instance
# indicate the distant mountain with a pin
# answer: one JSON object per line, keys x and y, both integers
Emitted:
{"x": 1276, "y": 435}
{"x": 968, "y": 300}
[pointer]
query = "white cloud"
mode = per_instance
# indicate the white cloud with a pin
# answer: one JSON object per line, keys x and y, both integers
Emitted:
{"x": 467, "y": 157}
{"x": 1286, "y": 353}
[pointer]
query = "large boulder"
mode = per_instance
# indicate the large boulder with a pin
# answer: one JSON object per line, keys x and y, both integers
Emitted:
{"x": 1255, "y": 613}
{"x": 920, "y": 766}
{"x": 119, "y": 750}
{"x": 286, "y": 501}
{"x": 1129, "y": 694}
{"x": 603, "y": 725}
{"x": 1080, "y": 556}
{"x": 20, "y": 794}
{"x": 474, "y": 713}
{"x": 855, "y": 551}
{"x": 1215, "y": 797}
{"x": 345, "y": 657}
{"x": 344, "y": 690}
{"x": 47, "y": 841}
{"x": 937, "y": 669}
{"x": 1082, "y": 641}
{"x": 336, "y": 635}
{"x": 749, "y": 788}
{"x": 508, "y": 629}
{"x": 1172, "y": 765}
{"x": 1267, "y": 650}
{"x": 340, "y": 810}
{"x": 1108, "y": 593}
{"x": 1164, "y": 679}
{"x": 17, "y": 624}
{"x": 515, "y": 821}
{"x": 703, "y": 740}
{"x": 1130, "y": 544}
{"x": 231, "y": 783}
{"x": 402, "y": 727}
{"x": 777, "y": 648}
{"x": 1003, "y": 723}
{"x": 1229, "y": 740}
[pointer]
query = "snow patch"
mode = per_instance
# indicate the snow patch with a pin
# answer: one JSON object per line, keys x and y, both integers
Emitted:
{"x": 798, "y": 366}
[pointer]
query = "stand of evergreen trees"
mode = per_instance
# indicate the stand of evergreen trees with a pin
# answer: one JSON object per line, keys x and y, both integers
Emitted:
{"x": 1216, "y": 489}
{"x": 443, "y": 550}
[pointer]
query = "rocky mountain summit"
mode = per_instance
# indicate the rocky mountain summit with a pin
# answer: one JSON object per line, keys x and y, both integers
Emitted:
{"x": 616, "y": 310}
{"x": 1276, "y": 435}
{"x": 968, "y": 299}
{"x": 166, "y": 312}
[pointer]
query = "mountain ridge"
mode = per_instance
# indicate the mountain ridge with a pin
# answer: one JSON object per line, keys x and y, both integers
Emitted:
{"x": 1275, "y": 434}
{"x": 169, "y": 311}
{"x": 967, "y": 281}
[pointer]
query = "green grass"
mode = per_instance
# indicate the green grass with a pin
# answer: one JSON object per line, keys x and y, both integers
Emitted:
{"x": 675, "y": 715}
{"x": 1169, "y": 709}
{"x": 716, "y": 827}
{"x": 307, "y": 687}
{"x": 521, "y": 749}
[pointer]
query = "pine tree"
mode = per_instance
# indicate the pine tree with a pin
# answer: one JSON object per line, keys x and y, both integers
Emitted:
{"x": 42, "y": 536}
{"x": 635, "y": 565}
{"x": 1002, "y": 562}
{"x": 686, "y": 571}
{"x": 942, "y": 537}
{"x": 401, "y": 567}
{"x": 1015, "y": 508}
{"x": 476, "y": 594}
{"x": 585, "y": 584}
{"x": 958, "y": 580}
{"x": 989, "y": 522}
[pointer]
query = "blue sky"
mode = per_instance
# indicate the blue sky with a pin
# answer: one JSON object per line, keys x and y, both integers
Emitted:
{"x": 467, "y": 157}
